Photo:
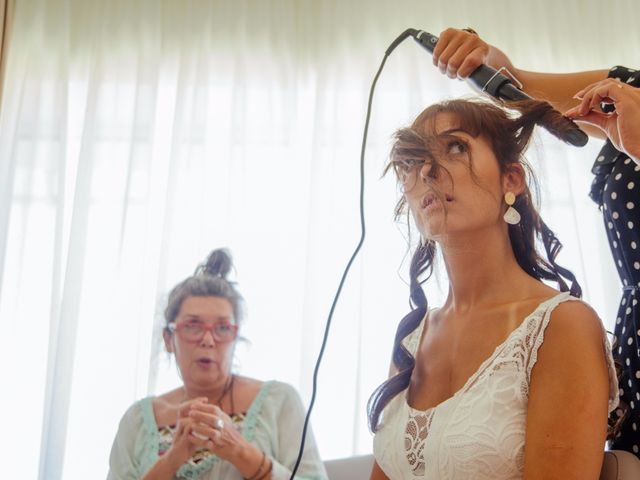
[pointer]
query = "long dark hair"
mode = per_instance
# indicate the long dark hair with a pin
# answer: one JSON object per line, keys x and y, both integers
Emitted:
{"x": 509, "y": 134}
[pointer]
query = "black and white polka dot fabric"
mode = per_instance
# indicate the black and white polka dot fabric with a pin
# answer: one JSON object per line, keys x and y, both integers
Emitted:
{"x": 616, "y": 189}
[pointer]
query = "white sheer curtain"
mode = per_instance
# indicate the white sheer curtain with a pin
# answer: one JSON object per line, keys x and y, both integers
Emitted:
{"x": 137, "y": 136}
{"x": 6, "y": 20}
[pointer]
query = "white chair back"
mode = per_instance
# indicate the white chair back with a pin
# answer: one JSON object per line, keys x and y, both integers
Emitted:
{"x": 620, "y": 465}
{"x": 351, "y": 468}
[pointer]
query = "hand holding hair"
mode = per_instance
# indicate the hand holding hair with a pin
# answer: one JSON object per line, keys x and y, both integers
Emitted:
{"x": 622, "y": 125}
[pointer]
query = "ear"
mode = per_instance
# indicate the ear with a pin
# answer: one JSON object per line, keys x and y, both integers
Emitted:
{"x": 513, "y": 179}
{"x": 168, "y": 340}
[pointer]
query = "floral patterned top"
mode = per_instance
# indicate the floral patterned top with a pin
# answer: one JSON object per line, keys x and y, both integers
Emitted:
{"x": 273, "y": 423}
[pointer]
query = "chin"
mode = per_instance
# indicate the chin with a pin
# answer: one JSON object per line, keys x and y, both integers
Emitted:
{"x": 434, "y": 229}
{"x": 441, "y": 232}
{"x": 205, "y": 383}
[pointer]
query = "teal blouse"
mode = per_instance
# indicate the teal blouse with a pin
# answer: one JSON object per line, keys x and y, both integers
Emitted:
{"x": 273, "y": 423}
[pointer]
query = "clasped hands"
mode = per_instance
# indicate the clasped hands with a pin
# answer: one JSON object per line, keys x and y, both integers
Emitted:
{"x": 204, "y": 426}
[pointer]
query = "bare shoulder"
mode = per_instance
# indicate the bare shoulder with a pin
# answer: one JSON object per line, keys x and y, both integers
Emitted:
{"x": 569, "y": 375}
{"x": 574, "y": 322}
{"x": 573, "y": 341}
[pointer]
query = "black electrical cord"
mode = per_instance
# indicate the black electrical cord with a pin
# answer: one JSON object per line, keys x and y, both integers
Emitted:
{"x": 393, "y": 45}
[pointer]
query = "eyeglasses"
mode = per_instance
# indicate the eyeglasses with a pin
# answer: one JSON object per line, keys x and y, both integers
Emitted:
{"x": 190, "y": 331}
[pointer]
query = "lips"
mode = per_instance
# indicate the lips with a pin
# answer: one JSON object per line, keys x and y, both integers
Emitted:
{"x": 204, "y": 361}
{"x": 431, "y": 199}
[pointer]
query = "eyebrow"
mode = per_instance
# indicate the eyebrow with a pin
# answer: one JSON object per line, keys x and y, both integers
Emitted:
{"x": 199, "y": 318}
{"x": 452, "y": 130}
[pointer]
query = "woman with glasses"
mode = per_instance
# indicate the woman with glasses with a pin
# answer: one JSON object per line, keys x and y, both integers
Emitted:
{"x": 216, "y": 425}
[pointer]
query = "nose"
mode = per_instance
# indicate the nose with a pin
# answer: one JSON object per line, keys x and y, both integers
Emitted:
{"x": 207, "y": 339}
{"x": 429, "y": 169}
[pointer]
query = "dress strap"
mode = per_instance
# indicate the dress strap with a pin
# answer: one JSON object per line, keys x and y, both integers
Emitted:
{"x": 536, "y": 325}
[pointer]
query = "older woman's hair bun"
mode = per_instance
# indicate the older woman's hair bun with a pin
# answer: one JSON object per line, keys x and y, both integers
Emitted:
{"x": 209, "y": 280}
{"x": 218, "y": 264}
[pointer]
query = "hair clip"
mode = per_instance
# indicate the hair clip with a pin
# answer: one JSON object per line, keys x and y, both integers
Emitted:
{"x": 511, "y": 76}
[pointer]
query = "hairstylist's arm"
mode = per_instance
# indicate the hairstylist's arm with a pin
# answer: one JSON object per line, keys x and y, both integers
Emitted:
{"x": 458, "y": 53}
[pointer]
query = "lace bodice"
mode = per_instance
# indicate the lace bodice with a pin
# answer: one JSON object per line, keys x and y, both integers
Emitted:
{"x": 478, "y": 432}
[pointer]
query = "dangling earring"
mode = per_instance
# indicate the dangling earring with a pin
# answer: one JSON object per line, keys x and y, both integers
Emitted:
{"x": 511, "y": 216}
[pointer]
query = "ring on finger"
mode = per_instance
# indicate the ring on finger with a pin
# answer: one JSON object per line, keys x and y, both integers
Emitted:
{"x": 219, "y": 425}
{"x": 216, "y": 438}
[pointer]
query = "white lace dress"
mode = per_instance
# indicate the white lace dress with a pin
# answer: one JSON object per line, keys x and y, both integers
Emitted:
{"x": 479, "y": 432}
